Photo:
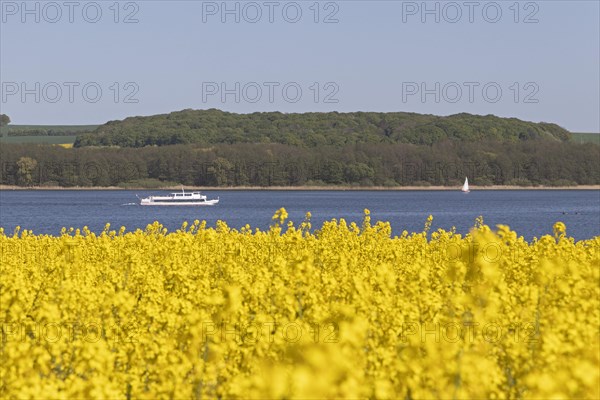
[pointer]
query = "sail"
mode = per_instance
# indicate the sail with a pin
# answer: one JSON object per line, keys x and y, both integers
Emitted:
{"x": 465, "y": 187}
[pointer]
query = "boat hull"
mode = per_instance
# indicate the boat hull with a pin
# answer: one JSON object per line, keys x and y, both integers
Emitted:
{"x": 187, "y": 204}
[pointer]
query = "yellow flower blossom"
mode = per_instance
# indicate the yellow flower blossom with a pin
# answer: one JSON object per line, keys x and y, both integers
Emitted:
{"x": 344, "y": 311}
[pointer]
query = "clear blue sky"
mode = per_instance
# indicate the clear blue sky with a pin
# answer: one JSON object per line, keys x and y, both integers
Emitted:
{"x": 378, "y": 56}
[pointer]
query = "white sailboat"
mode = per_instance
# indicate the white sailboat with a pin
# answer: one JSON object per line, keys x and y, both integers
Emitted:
{"x": 465, "y": 187}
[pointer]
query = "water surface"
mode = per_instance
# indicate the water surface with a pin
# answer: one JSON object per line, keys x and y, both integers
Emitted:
{"x": 529, "y": 212}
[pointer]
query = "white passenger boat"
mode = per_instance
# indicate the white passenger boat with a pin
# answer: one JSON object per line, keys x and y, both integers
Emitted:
{"x": 179, "y": 199}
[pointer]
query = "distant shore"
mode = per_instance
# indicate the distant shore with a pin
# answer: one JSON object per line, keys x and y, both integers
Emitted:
{"x": 292, "y": 188}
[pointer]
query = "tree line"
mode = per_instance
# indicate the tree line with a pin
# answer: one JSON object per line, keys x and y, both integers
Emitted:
{"x": 486, "y": 162}
{"x": 314, "y": 129}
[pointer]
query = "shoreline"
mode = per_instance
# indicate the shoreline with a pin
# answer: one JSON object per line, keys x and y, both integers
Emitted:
{"x": 312, "y": 188}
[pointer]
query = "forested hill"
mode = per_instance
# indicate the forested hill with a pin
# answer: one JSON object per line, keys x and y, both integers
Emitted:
{"x": 314, "y": 129}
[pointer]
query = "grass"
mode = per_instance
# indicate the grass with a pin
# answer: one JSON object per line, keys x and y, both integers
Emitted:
{"x": 586, "y": 138}
{"x": 43, "y": 130}
{"x": 70, "y": 139}
{"x": 43, "y": 134}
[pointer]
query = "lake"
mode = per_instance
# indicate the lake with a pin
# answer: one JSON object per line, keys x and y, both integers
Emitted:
{"x": 530, "y": 212}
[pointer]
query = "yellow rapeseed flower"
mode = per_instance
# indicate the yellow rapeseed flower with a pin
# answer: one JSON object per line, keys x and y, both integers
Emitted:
{"x": 346, "y": 311}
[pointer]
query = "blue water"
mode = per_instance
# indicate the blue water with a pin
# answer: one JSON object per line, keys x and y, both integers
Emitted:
{"x": 530, "y": 213}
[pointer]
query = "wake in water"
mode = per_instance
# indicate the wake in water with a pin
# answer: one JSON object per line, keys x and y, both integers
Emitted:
{"x": 130, "y": 204}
